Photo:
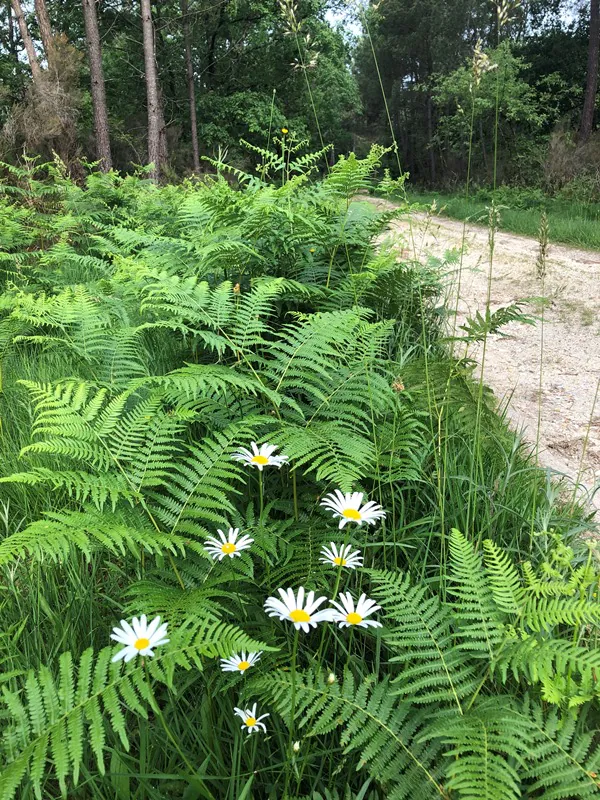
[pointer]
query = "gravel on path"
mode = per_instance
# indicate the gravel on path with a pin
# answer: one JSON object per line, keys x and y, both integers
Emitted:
{"x": 570, "y": 403}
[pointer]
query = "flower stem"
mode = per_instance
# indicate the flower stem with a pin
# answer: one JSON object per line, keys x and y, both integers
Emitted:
{"x": 293, "y": 708}
{"x": 170, "y": 736}
{"x": 295, "y": 490}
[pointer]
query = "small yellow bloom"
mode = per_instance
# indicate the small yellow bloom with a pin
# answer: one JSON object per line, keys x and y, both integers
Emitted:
{"x": 284, "y": 131}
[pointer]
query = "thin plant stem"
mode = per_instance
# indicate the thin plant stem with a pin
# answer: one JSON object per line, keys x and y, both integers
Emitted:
{"x": 584, "y": 449}
{"x": 295, "y": 493}
{"x": 292, "y": 707}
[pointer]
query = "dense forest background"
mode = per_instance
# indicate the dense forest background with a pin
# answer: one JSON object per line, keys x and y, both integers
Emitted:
{"x": 130, "y": 82}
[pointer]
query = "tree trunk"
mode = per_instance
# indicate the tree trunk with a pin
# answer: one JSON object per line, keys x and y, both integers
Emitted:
{"x": 43, "y": 19}
{"x": 432, "y": 170}
{"x": 189, "y": 68}
{"x": 101, "y": 129}
{"x": 12, "y": 45}
{"x": 162, "y": 127}
{"x": 591, "y": 87}
{"x": 27, "y": 42}
{"x": 156, "y": 124}
{"x": 211, "y": 68}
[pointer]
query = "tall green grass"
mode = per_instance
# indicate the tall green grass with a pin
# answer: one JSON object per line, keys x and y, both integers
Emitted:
{"x": 569, "y": 223}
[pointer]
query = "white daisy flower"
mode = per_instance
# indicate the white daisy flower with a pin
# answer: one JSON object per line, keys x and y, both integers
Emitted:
{"x": 139, "y": 638}
{"x": 251, "y": 721}
{"x": 241, "y": 663}
{"x": 346, "y": 614}
{"x": 229, "y": 545}
{"x": 260, "y": 456}
{"x": 303, "y": 615}
{"x": 344, "y": 557}
{"x": 347, "y": 507}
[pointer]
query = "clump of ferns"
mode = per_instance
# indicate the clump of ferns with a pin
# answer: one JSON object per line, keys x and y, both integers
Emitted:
{"x": 482, "y": 687}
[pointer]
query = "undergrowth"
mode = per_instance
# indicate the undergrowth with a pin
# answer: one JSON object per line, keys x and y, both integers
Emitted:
{"x": 149, "y": 337}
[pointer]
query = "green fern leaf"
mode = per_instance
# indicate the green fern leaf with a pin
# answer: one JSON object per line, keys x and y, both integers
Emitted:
{"x": 52, "y": 538}
{"x": 385, "y": 734}
{"x": 419, "y": 633}
{"x": 480, "y": 628}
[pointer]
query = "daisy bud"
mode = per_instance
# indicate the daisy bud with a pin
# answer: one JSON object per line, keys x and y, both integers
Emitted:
{"x": 331, "y": 678}
{"x": 296, "y": 747}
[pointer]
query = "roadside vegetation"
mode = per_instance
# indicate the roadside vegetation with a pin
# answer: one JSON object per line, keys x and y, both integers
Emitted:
{"x": 520, "y": 211}
{"x": 216, "y": 401}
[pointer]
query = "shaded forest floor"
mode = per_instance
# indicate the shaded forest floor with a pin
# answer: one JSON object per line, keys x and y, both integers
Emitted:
{"x": 570, "y": 408}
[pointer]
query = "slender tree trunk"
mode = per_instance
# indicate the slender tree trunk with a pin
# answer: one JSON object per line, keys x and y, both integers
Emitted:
{"x": 212, "y": 47}
{"x": 162, "y": 127}
{"x": 189, "y": 68}
{"x": 101, "y": 129}
{"x": 432, "y": 170}
{"x": 156, "y": 124}
{"x": 41, "y": 12}
{"x": 12, "y": 45}
{"x": 591, "y": 87}
{"x": 158, "y": 41}
{"x": 27, "y": 42}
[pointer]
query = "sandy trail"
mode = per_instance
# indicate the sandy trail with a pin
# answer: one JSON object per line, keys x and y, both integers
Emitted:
{"x": 571, "y": 335}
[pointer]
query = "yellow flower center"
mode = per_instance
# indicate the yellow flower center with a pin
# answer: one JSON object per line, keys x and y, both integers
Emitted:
{"x": 228, "y": 547}
{"x": 260, "y": 460}
{"x": 352, "y": 513}
{"x": 251, "y": 722}
{"x": 353, "y": 618}
{"x": 299, "y": 615}
{"x": 341, "y": 562}
{"x": 243, "y": 665}
{"x": 142, "y": 644}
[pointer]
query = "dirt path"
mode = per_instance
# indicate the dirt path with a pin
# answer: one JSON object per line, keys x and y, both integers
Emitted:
{"x": 571, "y": 361}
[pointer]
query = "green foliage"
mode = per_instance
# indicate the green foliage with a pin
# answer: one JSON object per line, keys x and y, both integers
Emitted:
{"x": 147, "y": 334}
{"x": 477, "y": 328}
{"x": 473, "y": 739}
{"x": 568, "y": 222}
{"x": 372, "y": 724}
{"x": 57, "y": 720}
{"x": 474, "y": 96}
